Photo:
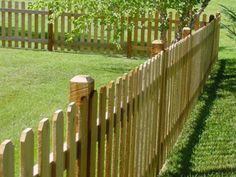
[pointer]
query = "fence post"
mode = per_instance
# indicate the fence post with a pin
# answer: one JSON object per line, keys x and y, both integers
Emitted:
{"x": 50, "y": 33}
{"x": 186, "y": 31}
{"x": 82, "y": 86}
{"x": 211, "y": 18}
{"x": 157, "y": 47}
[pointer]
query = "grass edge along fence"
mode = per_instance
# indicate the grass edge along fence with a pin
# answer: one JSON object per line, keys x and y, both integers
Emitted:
{"x": 127, "y": 128}
{"x": 25, "y": 28}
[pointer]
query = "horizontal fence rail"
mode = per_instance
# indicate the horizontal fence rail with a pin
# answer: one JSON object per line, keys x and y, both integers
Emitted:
{"x": 127, "y": 128}
{"x": 22, "y": 27}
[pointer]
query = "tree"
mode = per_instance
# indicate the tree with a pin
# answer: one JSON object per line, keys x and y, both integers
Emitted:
{"x": 113, "y": 12}
{"x": 189, "y": 11}
{"x": 231, "y": 25}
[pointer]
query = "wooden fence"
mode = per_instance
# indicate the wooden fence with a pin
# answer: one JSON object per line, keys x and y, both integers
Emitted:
{"x": 25, "y": 28}
{"x": 127, "y": 128}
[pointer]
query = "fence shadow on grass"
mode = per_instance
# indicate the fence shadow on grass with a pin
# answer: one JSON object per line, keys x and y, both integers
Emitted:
{"x": 179, "y": 163}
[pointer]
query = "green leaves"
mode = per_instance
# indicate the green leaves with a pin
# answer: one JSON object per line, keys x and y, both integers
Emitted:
{"x": 112, "y": 12}
{"x": 231, "y": 25}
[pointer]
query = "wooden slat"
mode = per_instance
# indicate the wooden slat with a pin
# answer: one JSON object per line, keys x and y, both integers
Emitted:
{"x": 102, "y": 33}
{"x": 7, "y": 159}
{"x": 69, "y": 23}
{"x": 36, "y": 31}
{"x": 149, "y": 33}
{"x": 129, "y": 124}
{"x": 24, "y": 39}
{"x": 3, "y": 24}
{"x": 56, "y": 34}
{"x": 43, "y": 21}
{"x": 143, "y": 127}
{"x": 204, "y": 20}
{"x": 9, "y": 24}
{"x": 122, "y": 35}
{"x": 108, "y": 38}
{"x": 95, "y": 32}
{"x": 101, "y": 138}
{"x": 123, "y": 124}
{"x": 27, "y": 152}
{"x": 43, "y": 148}
{"x": 196, "y": 25}
{"x": 176, "y": 23}
{"x": 139, "y": 122}
{"x": 92, "y": 139}
{"x": 22, "y": 25}
{"x": 142, "y": 30}
{"x": 29, "y": 30}
{"x": 117, "y": 127}
{"x": 22, "y": 11}
{"x": 169, "y": 38}
{"x": 83, "y": 132}
{"x": 109, "y": 146}
{"x": 134, "y": 123}
{"x": 156, "y": 26}
{"x": 89, "y": 36}
{"x": 135, "y": 32}
{"x": 62, "y": 34}
{"x": 16, "y": 34}
{"x": 57, "y": 145}
{"x": 71, "y": 145}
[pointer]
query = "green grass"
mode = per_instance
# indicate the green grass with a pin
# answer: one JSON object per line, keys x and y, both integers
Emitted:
{"x": 207, "y": 146}
{"x": 33, "y": 84}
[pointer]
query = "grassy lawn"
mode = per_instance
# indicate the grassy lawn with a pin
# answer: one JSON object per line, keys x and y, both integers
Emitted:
{"x": 33, "y": 84}
{"x": 207, "y": 146}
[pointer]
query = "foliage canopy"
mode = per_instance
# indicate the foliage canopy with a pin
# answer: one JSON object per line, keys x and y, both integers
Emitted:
{"x": 113, "y": 12}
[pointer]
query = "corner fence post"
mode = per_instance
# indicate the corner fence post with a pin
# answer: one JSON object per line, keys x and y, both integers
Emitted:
{"x": 80, "y": 86}
{"x": 211, "y": 18}
{"x": 50, "y": 33}
{"x": 186, "y": 32}
{"x": 157, "y": 47}
{"x": 81, "y": 90}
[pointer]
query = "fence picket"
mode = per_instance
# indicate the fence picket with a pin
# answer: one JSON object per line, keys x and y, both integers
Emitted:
{"x": 9, "y": 24}
{"x": 23, "y": 25}
{"x": 43, "y": 21}
{"x": 109, "y": 146}
{"x": 29, "y": 30}
{"x": 101, "y": 138}
{"x": 3, "y": 34}
{"x": 58, "y": 144}
{"x": 36, "y": 25}
{"x": 16, "y": 33}
{"x": 129, "y": 124}
{"x": 156, "y": 26}
{"x": 7, "y": 159}
{"x": 71, "y": 145}
{"x": 123, "y": 125}
{"x": 83, "y": 132}
{"x": 117, "y": 127}
{"x": 27, "y": 152}
{"x": 93, "y": 133}
{"x": 43, "y": 148}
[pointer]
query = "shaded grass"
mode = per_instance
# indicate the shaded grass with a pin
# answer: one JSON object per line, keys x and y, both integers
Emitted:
{"x": 207, "y": 145}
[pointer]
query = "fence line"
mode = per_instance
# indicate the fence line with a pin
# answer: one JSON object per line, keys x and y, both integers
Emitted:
{"x": 127, "y": 128}
{"x": 22, "y": 27}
